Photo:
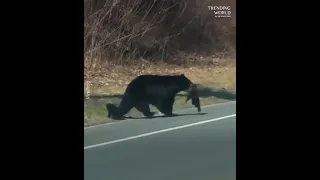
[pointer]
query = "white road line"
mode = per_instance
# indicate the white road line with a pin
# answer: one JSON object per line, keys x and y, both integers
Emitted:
{"x": 206, "y": 106}
{"x": 157, "y": 132}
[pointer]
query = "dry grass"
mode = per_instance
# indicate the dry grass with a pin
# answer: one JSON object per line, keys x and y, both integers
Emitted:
{"x": 110, "y": 83}
{"x": 124, "y": 31}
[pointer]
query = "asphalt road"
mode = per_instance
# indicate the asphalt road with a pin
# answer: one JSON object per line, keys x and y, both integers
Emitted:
{"x": 186, "y": 147}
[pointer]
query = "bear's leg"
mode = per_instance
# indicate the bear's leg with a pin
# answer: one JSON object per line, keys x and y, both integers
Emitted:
{"x": 166, "y": 106}
{"x": 126, "y": 104}
{"x": 144, "y": 108}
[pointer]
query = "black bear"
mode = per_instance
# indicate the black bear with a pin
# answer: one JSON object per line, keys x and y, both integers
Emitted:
{"x": 156, "y": 90}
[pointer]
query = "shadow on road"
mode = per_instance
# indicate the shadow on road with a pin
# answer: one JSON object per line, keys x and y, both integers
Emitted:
{"x": 202, "y": 91}
{"x": 96, "y": 103}
{"x": 161, "y": 116}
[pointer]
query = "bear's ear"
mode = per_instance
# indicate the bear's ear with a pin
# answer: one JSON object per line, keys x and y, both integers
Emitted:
{"x": 182, "y": 75}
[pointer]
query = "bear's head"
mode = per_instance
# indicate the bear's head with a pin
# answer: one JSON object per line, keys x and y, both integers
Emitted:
{"x": 185, "y": 83}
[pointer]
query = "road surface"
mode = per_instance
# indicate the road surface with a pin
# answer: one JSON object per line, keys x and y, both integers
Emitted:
{"x": 185, "y": 147}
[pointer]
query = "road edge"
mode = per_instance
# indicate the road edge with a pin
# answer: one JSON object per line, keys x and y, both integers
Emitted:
{"x": 157, "y": 132}
{"x": 206, "y": 106}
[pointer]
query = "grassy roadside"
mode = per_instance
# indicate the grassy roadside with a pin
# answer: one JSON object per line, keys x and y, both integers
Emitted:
{"x": 218, "y": 84}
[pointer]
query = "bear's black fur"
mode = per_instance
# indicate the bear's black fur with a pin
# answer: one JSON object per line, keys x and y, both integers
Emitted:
{"x": 156, "y": 90}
